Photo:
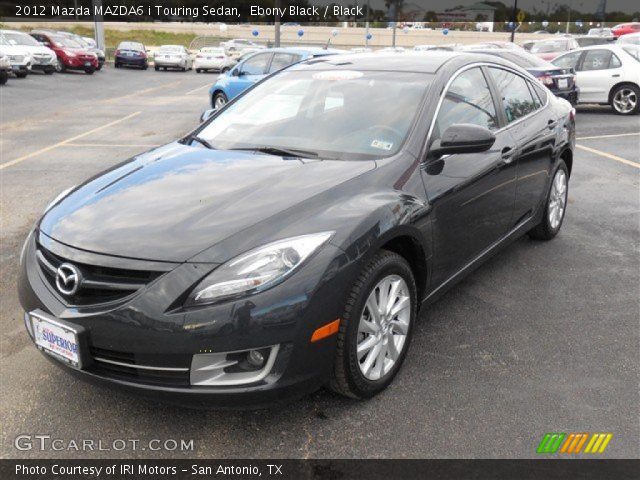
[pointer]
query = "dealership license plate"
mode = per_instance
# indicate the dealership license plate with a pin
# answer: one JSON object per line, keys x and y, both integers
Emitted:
{"x": 56, "y": 339}
{"x": 563, "y": 83}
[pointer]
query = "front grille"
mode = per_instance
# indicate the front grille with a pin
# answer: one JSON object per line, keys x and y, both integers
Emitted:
{"x": 16, "y": 58}
{"x": 123, "y": 366}
{"x": 99, "y": 284}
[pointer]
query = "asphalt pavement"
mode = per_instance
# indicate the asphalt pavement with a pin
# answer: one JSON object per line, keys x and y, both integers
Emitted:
{"x": 545, "y": 337}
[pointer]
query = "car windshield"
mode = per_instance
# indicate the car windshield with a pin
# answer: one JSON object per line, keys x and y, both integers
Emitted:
{"x": 130, "y": 46}
{"x": 337, "y": 114}
{"x": 170, "y": 49}
{"x": 550, "y": 46}
{"x": 12, "y": 38}
{"x": 65, "y": 41}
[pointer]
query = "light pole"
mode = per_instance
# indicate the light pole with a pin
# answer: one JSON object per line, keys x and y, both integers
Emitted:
{"x": 513, "y": 20}
{"x": 98, "y": 24}
{"x": 366, "y": 24}
{"x": 277, "y": 24}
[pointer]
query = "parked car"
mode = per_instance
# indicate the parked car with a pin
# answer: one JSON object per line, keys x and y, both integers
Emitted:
{"x": 629, "y": 39}
{"x": 42, "y": 58}
{"x": 607, "y": 74}
{"x": 600, "y": 32}
{"x": 5, "y": 68}
{"x": 238, "y": 44}
{"x": 257, "y": 66}
{"x": 589, "y": 40}
{"x": 172, "y": 56}
{"x": 561, "y": 81}
{"x": 213, "y": 59}
{"x": 626, "y": 29}
{"x": 550, "y": 49}
{"x": 70, "y": 54}
{"x": 19, "y": 58}
{"x": 90, "y": 46}
{"x": 291, "y": 240}
{"x": 131, "y": 54}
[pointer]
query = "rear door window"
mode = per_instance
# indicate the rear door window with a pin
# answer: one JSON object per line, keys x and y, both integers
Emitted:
{"x": 570, "y": 60}
{"x": 598, "y": 60}
{"x": 282, "y": 60}
{"x": 516, "y": 98}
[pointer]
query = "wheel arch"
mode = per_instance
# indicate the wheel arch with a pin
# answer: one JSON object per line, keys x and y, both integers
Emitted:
{"x": 567, "y": 156}
{"x": 409, "y": 248}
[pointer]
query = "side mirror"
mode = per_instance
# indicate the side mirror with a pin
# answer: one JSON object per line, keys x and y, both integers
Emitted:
{"x": 462, "y": 138}
{"x": 206, "y": 115}
{"x": 236, "y": 72}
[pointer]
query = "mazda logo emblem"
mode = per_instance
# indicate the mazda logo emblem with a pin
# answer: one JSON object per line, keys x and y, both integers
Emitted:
{"x": 68, "y": 279}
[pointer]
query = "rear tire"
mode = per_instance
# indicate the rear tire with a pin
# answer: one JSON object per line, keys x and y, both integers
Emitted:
{"x": 625, "y": 99}
{"x": 156, "y": 68}
{"x": 225, "y": 70}
{"x": 4, "y": 77}
{"x": 555, "y": 206}
{"x": 384, "y": 336}
{"x": 89, "y": 71}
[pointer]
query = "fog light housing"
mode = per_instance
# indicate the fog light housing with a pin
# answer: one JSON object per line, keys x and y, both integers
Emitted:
{"x": 232, "y": 368}
{"x": 255, "y": 358}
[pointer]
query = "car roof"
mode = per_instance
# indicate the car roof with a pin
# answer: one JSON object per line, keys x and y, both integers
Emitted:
{"x": 409, "y": 61}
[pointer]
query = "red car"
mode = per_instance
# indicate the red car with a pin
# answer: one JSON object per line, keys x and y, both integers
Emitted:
{"x": 71, "y": 55}
{"x": 625, "y": 28}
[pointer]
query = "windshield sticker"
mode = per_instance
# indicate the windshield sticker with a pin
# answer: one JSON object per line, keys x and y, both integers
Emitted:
{"x": 381, "y": 144}
{"x": 335, "y": 75}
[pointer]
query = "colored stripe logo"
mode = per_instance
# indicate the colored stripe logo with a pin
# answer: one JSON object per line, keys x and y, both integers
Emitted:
{"x": 573, "y": 443}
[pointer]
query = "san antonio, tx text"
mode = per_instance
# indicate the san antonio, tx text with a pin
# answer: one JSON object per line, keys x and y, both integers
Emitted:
{"x": 143, "y": 469}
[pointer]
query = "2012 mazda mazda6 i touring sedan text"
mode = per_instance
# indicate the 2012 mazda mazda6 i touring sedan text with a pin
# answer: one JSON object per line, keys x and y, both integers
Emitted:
{"x": 291, "y": 239}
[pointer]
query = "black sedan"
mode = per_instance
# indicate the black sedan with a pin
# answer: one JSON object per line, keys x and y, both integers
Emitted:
{"x": 131, "y": 54}
{"x": 561, "y": 81}
{"x": 276, "y": 250}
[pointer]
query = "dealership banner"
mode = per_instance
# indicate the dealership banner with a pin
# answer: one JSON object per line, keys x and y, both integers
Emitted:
{"x": 321, "y": 11}
{"x": 317, "y": 469}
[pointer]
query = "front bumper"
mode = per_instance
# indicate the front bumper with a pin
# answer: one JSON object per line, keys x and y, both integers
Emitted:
{"x": 147, "y": 328}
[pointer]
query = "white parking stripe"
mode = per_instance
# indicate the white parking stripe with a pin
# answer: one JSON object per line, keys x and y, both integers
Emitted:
{"x": 608, "y": 155}
{"x": 199, "y": 88}
{"x": 609, "y": 136}
{"x": 64, "y": 142}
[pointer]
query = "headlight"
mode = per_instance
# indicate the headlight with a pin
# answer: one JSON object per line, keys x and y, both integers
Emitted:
{"x": 60, "y": 196}
{"x": 257, "y": 269}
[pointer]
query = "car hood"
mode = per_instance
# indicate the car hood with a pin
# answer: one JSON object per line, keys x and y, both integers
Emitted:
{"x": 173, "y": 202}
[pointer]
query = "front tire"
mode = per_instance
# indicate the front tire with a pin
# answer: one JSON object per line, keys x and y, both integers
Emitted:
{"x": 375, "y": 327}
{"x": 21, "y": 74}
{"x": 49, "y": 70}
{"x": 555, "y": 207}
{"x": 219, "y": 100}
{"x": 89, "y": 71}
{"x": 625, "y": 99}
{"x": 60, "y": 67}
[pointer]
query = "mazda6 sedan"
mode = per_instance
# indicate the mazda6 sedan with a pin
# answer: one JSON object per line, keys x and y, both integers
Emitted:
{"x": 291, "y": 240}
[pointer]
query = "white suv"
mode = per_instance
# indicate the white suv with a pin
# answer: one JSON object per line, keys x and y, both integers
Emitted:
{"x": 42, "y": 58}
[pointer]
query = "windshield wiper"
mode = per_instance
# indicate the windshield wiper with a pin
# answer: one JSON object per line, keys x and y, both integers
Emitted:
{"x": 282, "y": 152}
{"x": 201, "y": 141}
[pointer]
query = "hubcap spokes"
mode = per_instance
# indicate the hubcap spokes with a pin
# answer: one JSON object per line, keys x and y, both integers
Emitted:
{"x": 557, "y": 199}
{"x": 220, "y": 102}
{"x": 625, "y": 100}
{"x": 383, "y": 327}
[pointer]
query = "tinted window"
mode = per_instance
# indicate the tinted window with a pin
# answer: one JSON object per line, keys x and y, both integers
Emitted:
{"x": 567, "y": 61}
{"x": 468, "y": 100}
{"x": 282, "y": 60}
{"x": 597, "y": 60}
{"x": 517, "y": 100}
{"x": 256, "y": 65}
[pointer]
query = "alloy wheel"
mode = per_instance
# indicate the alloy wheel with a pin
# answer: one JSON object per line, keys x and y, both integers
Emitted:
{"x": 625, "y": 100}
{"x": 383, "y": 327}
{"x": 557, "y": 199}
{"x": 220, "y": 101}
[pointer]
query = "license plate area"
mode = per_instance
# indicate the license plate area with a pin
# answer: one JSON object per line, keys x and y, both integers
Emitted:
{"x": 563, "y": 83}
{"x": 62, "y": 340}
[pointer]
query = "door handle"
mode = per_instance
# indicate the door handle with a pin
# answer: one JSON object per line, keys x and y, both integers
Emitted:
{"x": 552, "y": 124}
{"x": 615, "y": 75}
{"x": 507, "y": 155}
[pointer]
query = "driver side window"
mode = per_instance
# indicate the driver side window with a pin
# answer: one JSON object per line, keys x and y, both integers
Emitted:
{"x": 256, "y": 65}
{"x": 468, "y": 100}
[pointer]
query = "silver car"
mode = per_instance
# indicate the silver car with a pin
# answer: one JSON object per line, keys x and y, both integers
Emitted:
{"x": 172, "y": 56}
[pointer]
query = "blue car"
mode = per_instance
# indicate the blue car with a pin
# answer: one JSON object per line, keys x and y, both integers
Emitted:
{"x": 257, "y": 66}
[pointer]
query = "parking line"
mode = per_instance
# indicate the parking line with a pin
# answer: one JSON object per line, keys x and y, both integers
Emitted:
{"x": 608, "y": 155}
{"x": 609, "y": 136}
{"x": 64, "y": 142}
{"x": 198, "y": 89}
